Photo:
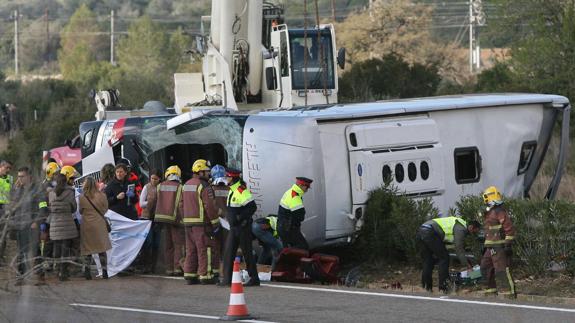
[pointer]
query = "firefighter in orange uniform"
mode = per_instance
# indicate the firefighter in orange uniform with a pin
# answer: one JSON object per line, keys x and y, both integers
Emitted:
{"x": 215, "y": 243}
{"x": 199, "y": 219}
{"x": 499, "y": 236}
{"x": 169, "y": 213}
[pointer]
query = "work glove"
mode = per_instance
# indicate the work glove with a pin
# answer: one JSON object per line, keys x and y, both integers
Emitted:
{"x": 43, "y": 227}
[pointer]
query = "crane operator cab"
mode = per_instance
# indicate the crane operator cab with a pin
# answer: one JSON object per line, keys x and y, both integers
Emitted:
{"x": 301, "y": 66}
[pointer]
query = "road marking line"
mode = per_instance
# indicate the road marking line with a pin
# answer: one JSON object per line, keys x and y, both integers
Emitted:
{"x": 140, "y": 310}
{"x": 425, "y": 298}
{"x": 164, "y": 277}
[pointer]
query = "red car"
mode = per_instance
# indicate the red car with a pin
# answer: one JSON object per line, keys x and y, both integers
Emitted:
{"x": 68, "y": 155}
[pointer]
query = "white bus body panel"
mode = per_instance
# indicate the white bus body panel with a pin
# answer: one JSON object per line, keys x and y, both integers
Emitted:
{"x": 315, "y": 142}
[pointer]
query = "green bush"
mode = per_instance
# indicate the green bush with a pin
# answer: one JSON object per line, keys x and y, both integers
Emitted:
{"x": 544, "y": 231}
{"x": 390, "y": 225}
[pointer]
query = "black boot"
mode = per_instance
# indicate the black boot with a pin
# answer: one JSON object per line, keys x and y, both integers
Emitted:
{"x": 252, "y": 282}
{"x": 87, "y": 273}
{"x": 104, "y": 274}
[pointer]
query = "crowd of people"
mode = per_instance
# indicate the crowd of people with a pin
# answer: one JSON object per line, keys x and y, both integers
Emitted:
{"x": 200, "y": 223}
{"x": 52, "y": 220}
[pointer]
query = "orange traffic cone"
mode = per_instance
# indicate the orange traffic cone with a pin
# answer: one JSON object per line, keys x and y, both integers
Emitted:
{"x": 237, "y": 310}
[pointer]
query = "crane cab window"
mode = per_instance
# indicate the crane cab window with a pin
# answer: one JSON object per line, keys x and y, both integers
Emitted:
{"x": 284, "y": 61}
{"x": 312, "y": 59}
{"x": 467, "y": 165}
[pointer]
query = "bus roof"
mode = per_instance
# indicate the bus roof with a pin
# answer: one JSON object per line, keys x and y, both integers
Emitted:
{"x": 416, "y": 105}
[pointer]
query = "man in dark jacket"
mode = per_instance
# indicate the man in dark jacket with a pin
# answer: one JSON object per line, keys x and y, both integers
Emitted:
{"x": 25, "y": 221}
{"x": 121, "y": 199}
{"x": 291, "y": 213}
{"x": 241, "y": 208}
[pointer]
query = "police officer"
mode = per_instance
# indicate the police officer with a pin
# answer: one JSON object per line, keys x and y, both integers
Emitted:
{"x": 6, "y": 183}
{"x": 168, "y": 213}
{"x": 241, "y": 207}
{"x": 200, "y": 218}
{"x": 433, "y": 237}
{"x": 291, "y": 214}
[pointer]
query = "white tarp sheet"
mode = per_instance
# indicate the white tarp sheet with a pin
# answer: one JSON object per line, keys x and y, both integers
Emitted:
{"x": 127, "y": 238}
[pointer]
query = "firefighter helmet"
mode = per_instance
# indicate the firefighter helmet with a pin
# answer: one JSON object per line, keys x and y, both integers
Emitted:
{"x": 51, "y": 169}
{"x": 173, "y": 170}
{"x": 200, "y": 165}
{"x": 218, "y": 171}
{"x": 492, "y": 196}
{"x": 70, "y": 172}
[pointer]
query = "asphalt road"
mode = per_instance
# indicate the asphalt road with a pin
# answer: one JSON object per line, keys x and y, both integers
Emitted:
{"x": 153, "y": 299}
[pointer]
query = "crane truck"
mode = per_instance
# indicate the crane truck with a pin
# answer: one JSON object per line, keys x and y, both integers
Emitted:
{"x": 251, "y": 59}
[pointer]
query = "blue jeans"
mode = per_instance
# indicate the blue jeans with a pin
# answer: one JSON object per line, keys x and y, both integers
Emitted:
{"x": 271, "y": 245}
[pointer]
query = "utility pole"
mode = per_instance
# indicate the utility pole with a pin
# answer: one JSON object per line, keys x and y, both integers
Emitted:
{"x": 305, "y": 46}
{"x": 476, "y": 19}
{"x": 471, "y": 34}
{"x": 47, "y": 55}
{"x": 112, "y": 39}
{"x": 333, "y": 10}
{"x": 16, "y": 17}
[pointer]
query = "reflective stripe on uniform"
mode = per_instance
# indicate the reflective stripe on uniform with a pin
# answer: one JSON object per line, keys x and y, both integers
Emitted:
{"x": 168, "y": 188}
{"x": 209, "y": 260}
{"x": 190, "y": 275}
{"x": 221, "y": 193}
{"x": 236, "y": 204}
{"x": 190, "y": 188}
{"x": 493, "y": 242}
{"x": 292, "y": 208}
{"x": 510, "y": 279}
{"x": 494, "y": 227}
{"x": 163, "y": 217}
{"x": 509, "y": 237}
{"x": 42, "y": 204}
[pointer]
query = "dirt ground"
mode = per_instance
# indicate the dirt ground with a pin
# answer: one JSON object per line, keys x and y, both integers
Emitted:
{"x": 407, "y": 278}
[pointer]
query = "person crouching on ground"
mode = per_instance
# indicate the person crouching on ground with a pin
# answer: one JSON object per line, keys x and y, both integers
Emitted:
{"x": 433, "y": 239}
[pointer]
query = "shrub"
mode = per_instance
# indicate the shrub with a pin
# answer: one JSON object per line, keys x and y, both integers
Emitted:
{"x": 390, "y": 224}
